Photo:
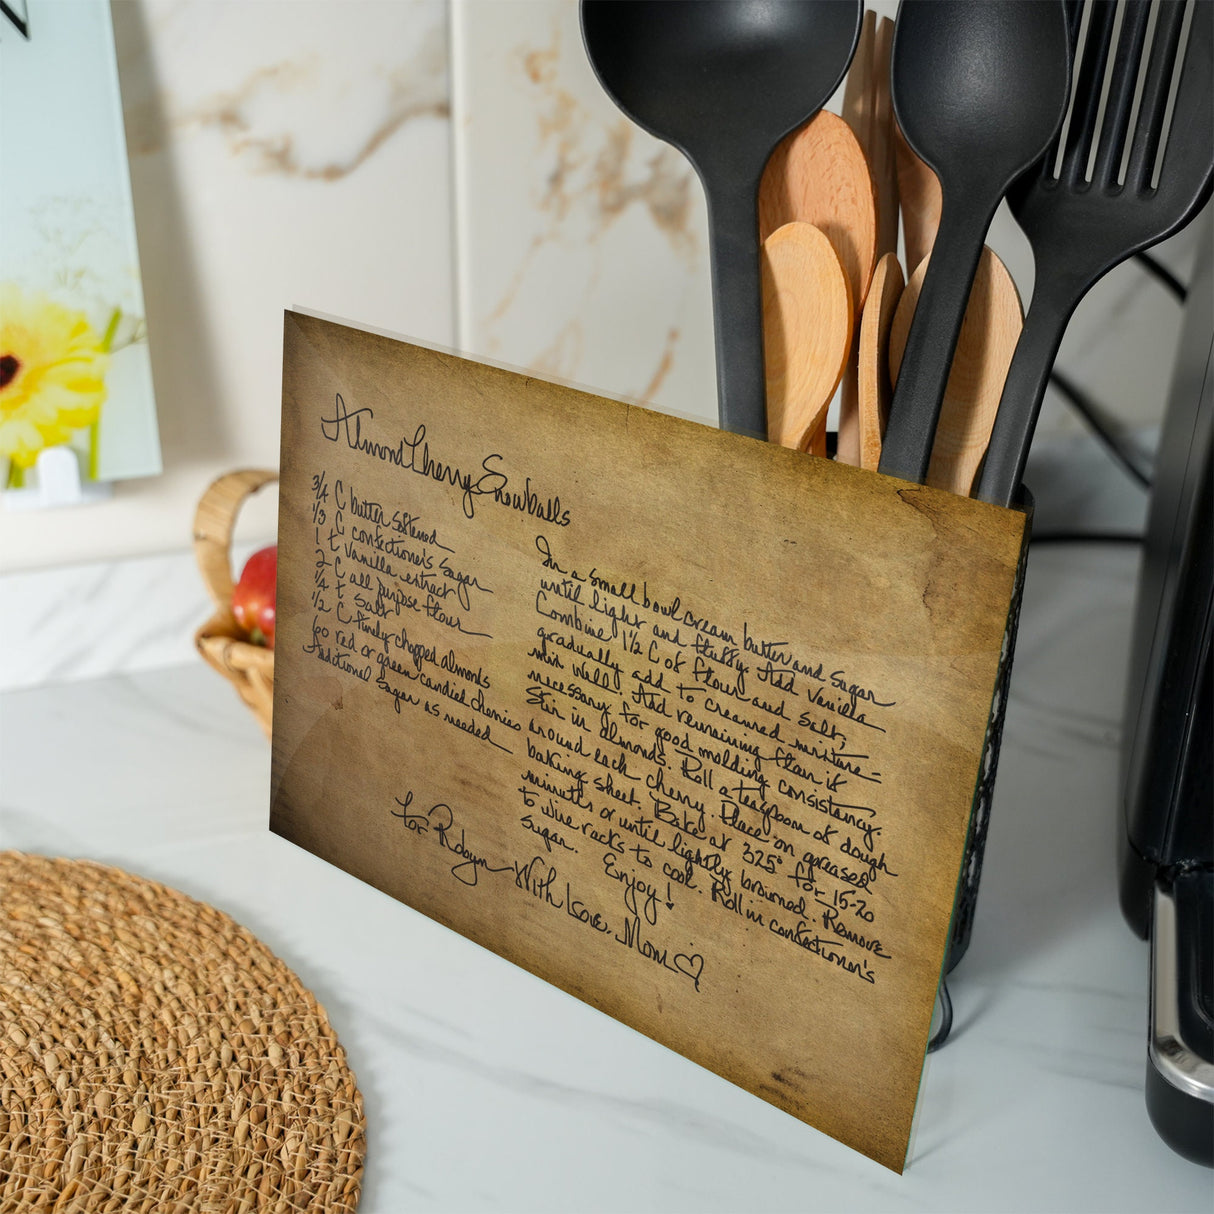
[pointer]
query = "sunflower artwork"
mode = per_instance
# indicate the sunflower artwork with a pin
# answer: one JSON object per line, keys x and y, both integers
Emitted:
{"x": 75, "y": 368}
{"x": 52, "y": 378}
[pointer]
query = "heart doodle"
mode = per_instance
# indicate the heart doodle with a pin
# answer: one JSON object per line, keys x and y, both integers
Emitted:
{"x": 692, "y": 966}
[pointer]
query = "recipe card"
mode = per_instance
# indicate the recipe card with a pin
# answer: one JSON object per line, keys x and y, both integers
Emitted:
{"x": 687, "y": 724}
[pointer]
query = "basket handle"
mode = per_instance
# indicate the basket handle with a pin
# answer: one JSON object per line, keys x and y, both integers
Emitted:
{"x": 213, "y": 524}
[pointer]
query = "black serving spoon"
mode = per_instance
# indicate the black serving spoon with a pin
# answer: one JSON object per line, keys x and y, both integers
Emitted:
{"x": 979, "y": 90}
{"x": 1131, "y": 173}
{"x": 724, "y": 82}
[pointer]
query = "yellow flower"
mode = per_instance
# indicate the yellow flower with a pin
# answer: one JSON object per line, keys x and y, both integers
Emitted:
{"x": 52, "y": 374}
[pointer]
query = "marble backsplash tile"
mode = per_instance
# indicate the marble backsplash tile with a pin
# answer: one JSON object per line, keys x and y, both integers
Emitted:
{"x": 581, "y": 240}
{"x": 344, "y": 81}
{"x": 98, "y": 618}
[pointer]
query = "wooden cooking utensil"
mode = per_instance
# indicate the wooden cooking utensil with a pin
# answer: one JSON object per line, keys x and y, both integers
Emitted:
{"x": 807, "y": 328}
{"x": 816, "y": 443}
{"x": 919, "y": 200}
{"x": 874, "y": 379}
{"x": 867, "y": 110}
{"x": 818, "y": 175}
{"x": 989, "y": 333}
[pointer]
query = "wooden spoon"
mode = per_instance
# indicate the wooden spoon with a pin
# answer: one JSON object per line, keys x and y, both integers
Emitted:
{"x": 875, "y": 382}
{"x": 989, "y": 333}
{"x": 867, "y": 110}
{"x": 807, "y": 329}
{"x": 818, "y": 175}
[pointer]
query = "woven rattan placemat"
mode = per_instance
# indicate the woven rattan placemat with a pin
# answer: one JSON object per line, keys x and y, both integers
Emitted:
{"x": 155, "y": 1056}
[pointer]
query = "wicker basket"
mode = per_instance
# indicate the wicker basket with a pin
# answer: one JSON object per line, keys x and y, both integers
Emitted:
{"x": 249, "y": 667}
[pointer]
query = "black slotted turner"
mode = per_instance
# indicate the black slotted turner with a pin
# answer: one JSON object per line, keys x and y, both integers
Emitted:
{"x": 1080, "y": 228}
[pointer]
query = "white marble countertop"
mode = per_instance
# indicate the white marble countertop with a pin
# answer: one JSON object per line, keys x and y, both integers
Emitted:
{"x": 488, "y": 1090}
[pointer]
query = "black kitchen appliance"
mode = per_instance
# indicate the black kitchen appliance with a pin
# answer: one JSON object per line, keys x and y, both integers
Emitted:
{"x": 1167, "y": 828}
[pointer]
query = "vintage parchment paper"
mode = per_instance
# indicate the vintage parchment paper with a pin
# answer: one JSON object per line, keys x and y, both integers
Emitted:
{"x": 687, "y": 724}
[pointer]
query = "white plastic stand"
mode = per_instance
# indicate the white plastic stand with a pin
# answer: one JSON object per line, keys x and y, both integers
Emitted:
{"x": 59, "y": 484}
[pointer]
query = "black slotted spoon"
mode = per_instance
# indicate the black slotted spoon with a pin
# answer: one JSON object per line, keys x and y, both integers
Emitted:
{"x": 1128, "y": 179}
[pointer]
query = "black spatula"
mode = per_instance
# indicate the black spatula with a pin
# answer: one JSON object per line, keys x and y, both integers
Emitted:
{"x": 1128, "y": 178}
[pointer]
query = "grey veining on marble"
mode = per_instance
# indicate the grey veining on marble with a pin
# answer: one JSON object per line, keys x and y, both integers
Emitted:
{"x": 311, "y": 97}
{"x": 581, "y": 240}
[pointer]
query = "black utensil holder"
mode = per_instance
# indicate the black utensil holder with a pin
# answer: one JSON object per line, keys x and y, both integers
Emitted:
{"x": 975, "y": 849}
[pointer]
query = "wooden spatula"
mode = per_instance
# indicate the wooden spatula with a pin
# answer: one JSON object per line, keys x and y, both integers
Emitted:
{"x": 989, "y": 333}
{"x": 818, "y": 175}
{"x": 867, "y": 110}
{"x": 807, "y": 330}
{"x": 875, "y": 384}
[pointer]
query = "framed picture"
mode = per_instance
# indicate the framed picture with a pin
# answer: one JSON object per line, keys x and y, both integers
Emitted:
{"x": 75, "y": 372}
